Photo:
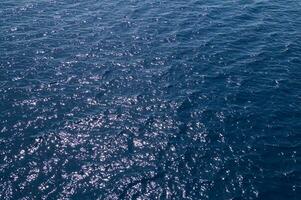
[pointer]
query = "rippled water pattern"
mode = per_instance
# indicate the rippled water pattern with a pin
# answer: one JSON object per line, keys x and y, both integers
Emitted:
{"x": 155, "y": 99}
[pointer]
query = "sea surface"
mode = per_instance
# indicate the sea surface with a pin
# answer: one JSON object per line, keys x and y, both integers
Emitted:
{"x": 154, "y": 99}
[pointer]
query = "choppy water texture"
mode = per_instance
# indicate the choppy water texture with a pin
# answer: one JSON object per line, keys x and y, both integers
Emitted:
{"x": 150, "y": 99}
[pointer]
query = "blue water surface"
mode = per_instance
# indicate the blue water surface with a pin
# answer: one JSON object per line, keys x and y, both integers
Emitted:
{"x": 155, "y": 99}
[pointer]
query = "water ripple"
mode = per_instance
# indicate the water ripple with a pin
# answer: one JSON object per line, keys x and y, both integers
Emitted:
{"x": 150, "y": 100}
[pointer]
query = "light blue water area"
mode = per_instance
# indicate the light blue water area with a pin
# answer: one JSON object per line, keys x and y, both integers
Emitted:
{"x": 156, "y": 99}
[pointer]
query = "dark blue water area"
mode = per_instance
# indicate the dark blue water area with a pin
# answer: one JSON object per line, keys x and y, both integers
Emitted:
{"x": 155, "y": 99}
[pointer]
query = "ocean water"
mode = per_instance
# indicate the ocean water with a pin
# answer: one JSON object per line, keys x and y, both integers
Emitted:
{"x": 156, "y": 99}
